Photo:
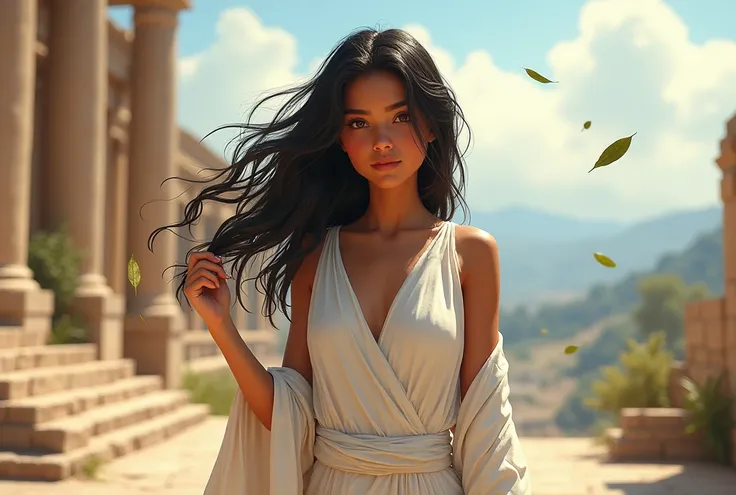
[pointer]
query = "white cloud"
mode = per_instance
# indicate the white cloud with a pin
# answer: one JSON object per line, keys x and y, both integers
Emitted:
{"x": 631, "y": 68}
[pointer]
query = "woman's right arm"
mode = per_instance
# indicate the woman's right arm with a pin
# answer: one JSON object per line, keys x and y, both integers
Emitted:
{"x": 254, "y": 381}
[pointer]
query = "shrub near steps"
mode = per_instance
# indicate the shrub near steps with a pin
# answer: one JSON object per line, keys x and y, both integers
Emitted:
{"x": 59, "y": 408}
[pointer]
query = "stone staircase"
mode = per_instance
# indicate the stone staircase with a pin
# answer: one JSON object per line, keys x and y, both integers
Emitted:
{"x": 60, "y": 409}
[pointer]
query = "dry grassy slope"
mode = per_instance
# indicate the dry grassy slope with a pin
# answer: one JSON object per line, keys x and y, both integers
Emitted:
{"x": 539, "y": 385}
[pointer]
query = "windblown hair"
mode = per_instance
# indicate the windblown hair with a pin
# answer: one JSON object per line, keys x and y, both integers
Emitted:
{"x": 291, "y": 181}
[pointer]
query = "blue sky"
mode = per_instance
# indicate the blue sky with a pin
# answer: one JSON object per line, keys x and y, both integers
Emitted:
{"x": 658, "y": 68}
{"x": 512, "y": 31}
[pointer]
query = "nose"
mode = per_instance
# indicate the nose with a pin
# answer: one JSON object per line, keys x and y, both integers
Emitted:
{"x": 382, "y": 141}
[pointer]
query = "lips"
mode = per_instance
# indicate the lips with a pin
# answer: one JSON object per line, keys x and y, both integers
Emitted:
{"x": 385, "y": 164}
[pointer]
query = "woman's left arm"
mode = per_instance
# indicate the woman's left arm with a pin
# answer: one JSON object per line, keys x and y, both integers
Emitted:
{"x": 486, "y": 450}
{"x": 481, "y": 283}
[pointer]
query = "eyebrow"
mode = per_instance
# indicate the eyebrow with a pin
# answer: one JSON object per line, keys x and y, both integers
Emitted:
{"x": 392, "y": 106}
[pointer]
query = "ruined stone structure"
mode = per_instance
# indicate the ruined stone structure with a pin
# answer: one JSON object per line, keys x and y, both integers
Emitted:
{"x": 710, "y": 335}
{"x": 88, "y": 133}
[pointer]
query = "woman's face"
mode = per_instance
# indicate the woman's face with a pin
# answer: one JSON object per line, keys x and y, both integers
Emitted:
{"x": 377, "y": 134}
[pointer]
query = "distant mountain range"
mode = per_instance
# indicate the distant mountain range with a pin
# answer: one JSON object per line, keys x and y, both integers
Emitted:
{"x": 548, "y": 257}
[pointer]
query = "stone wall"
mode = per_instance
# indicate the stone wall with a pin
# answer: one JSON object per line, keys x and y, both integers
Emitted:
{"x": 705, "y": 340}
{"x": 710, "y": 326}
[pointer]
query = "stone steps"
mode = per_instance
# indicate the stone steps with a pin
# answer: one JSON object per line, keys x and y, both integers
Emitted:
{"x": 12, "y": 338}
{"x": 105, "y": 447}
{"x": 60, "y": 408}
{"x": 74, "y": 432}
{"x": 54, "y": 406}
{"x": 26, "y": 358}
{"x": 33, "y": 382}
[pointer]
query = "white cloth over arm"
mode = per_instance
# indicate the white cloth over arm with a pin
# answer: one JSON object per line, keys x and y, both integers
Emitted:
{"x": 249, "y": 451}
{"x": 486, "y": 449}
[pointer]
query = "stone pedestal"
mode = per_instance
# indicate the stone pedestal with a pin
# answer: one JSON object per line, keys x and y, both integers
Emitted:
{"x": 103, "y": 314}
{"x": 25, "y": 317}
{"x": 157, "y": 344}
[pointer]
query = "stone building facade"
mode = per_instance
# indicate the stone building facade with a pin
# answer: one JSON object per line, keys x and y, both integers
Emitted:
{"x": 88, "y": 133}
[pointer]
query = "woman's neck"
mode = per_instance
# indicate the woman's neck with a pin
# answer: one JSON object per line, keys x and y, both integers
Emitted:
{"x": 393, "y": 210}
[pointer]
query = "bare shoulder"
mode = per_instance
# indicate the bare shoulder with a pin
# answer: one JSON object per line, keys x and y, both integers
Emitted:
{"x": 477, "y": 250}
{"x": 479, "y": 274}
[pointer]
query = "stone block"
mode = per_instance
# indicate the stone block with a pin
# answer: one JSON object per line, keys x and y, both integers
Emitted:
{"x": 694, "y": 332}
{"x": 156, "y": 343}
{"x": 684, "y": 449}
{"x": 712, "y": 309}
{"x": 730, "y": 299}
{"x": 103, "y": 314}
{"x": 15, "y": 436}
{"x": 27, "y": 309}
{"x": 715, "y": 335}
{"x": 626, "y": 449}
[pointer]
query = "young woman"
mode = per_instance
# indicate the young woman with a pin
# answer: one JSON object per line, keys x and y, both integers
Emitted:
{"x": 394, "y": 338}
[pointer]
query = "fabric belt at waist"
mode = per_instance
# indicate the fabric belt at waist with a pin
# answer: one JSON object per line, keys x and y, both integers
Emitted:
{"x": 380, "y": 456}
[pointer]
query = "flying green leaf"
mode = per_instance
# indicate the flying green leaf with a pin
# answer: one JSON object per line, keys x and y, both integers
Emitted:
{"x": 544, "y": 331}
{"x": 586, "y": 125}
{"x": 615, "y": 151}
{"x": 571, "y": 349}
{"x": 143, "y": 320}
{"x": 134, "y": 274}
{"x": 538, "y": 77}
{"x": 604, "y": 260}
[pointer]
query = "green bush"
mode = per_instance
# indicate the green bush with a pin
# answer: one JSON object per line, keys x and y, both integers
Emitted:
{"x": 68, "y": 329}
{"x": 641, "y": 380}
{"x": 55, "y": 263}
{"x": 709, "y": 412}
{"x": 216, "y": 389}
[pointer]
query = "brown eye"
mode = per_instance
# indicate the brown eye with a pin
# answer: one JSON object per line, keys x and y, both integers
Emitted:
{"x": 353, "y": 124}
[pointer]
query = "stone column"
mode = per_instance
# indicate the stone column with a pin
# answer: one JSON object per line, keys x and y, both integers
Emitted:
{"x": 154, "y": 323}
{"x": 727, "y": 163}
{"x": 22, "y": 303}
{"x": 116, "y": 217}
{"x": 76, "y": 174}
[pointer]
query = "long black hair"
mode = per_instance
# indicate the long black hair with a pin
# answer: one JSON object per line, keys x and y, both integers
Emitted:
{"x": 290, "y": 179}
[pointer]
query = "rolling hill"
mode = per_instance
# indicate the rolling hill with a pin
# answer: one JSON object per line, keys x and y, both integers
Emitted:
{"x": 548, "y": 258}
{"x": 701, "y": 261}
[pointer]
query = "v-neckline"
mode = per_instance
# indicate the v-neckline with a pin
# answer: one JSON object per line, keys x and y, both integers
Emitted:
{"x": 354, "y": 296}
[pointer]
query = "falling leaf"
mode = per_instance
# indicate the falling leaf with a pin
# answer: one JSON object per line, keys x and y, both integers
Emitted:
{"x": 537, "y": 76}
{"x": 544, "y": 331}
{"x": 571, "y": 349}
{"x": 134, "y": 274}
{"x": 604, "y": 260}
{"x": 615, "y": 151}
{"x": 142, "y": 318}
{"x": 586, "y": 125}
